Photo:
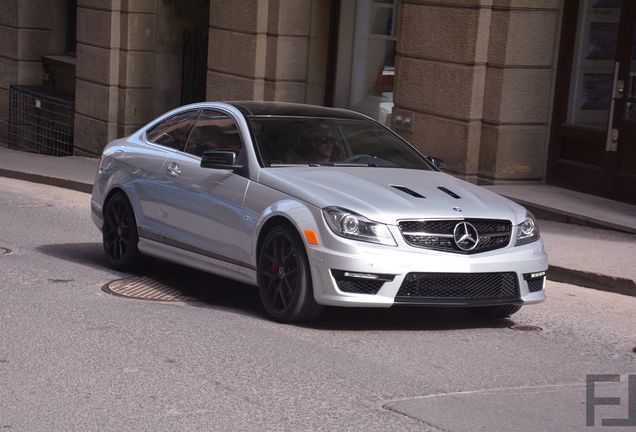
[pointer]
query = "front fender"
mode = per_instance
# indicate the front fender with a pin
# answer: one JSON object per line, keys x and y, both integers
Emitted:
{"x": 110, "y": 176}
{"x": 301, "y": 215}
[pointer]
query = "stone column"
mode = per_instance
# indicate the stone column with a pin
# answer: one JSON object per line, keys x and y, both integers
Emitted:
{"x": 289, "y": 28}
{"x": 268, "y": 50}
{"x": 236, "y": 50}
{"x": 522, "y": 57}
{"x": 476, "y": 75}
{"x": 440, "y": 77}
{"x": 97, "y": 74}
{"x": 115, "y": 70}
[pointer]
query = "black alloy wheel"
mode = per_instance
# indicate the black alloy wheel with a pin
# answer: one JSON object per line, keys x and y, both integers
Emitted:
{"x": 284, "y": 278}
{"x": 119, "y": 233}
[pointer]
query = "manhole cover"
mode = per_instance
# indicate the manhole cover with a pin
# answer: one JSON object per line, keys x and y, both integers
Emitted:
{"x": 4, "y": 251}
{"x": 525, "y": 327}
{"x": 145, "y": 288}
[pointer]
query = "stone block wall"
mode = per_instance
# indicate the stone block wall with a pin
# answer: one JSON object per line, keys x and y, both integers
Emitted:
{"x": 476, "y": 74}
{"x": 26, "y": 34}
{"x": 479, "y": 83}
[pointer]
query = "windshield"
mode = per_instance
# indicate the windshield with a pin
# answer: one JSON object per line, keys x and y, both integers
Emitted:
{"x": 283, "y": 141}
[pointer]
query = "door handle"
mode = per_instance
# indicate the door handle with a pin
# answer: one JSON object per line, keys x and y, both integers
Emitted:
{"x": 620, "y": 89}
{"x": 618, "y": 86}
{"x": 174, "y": 169}
{"x": 612, "y": 145}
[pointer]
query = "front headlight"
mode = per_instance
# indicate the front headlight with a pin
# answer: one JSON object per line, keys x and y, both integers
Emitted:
{"x": 346, "y": 223}
{"x": 527, "y": 231}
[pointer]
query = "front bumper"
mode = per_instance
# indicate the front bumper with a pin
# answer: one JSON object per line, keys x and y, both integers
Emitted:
{"x": 398, "y": 262}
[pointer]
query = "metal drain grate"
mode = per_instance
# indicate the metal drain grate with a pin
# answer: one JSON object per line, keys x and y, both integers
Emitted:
{"x": 4, "y": 251}
{"x": 145, "y": 288}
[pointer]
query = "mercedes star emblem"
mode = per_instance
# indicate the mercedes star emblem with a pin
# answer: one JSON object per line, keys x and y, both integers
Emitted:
{"x": 465, "y": 236}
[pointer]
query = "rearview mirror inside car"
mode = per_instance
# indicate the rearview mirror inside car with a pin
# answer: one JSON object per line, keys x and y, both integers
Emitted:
{"x": 439, "y": 163}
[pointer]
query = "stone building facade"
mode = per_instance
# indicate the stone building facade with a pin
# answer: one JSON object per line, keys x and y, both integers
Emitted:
{"x": 470, "y": 81}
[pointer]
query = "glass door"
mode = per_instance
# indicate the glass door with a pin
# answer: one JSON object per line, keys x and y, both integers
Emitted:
{"x": 366, "y": 57}
{"x": 593, "y": 138}
{"x": 622, "y": 134}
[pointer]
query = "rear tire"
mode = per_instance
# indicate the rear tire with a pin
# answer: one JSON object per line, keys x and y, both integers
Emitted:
{"x": 284, "y": 277}
{"x": 495, "y": 312}
{"x": 119, "y": 234}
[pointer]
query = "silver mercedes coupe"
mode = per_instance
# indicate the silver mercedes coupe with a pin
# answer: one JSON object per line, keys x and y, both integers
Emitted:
{"x": 315, "y": 206}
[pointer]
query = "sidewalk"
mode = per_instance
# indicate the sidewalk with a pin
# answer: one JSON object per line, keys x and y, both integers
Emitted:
{"x": 565, "y": 205}
{"x": 71, "y": 172}
{"x": 591, "y": 241}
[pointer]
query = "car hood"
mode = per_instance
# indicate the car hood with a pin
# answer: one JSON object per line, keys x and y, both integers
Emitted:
{"x": 371, "y": 192}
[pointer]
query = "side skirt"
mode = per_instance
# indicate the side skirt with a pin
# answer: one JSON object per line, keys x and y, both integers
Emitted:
{"x": 197, "y": 261}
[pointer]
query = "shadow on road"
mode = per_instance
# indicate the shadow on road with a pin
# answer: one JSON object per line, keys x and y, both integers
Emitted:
{"x": 401, "y": 318}
{"x": 206, "y": 289}
{"x": 90, "y": 254}
{"x": 216, "y": 292}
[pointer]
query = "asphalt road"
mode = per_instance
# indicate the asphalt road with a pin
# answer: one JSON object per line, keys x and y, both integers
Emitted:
{"x": 74, "y": 358}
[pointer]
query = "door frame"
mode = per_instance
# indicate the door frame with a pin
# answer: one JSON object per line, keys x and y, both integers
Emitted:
{"x": 591, "y": 173}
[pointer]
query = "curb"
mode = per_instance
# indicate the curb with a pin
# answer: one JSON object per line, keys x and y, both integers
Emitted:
{"x": 47, "y": 180}
{"x": 592, "y": 280}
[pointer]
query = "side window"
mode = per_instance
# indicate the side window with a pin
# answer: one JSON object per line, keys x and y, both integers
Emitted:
{"x": 174, "y": 131}
{"x": 214, "y": 131}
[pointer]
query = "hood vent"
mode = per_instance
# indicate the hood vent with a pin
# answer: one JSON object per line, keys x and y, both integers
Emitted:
{"x": 408, "y": 191}
{"x": 449, "y": 192}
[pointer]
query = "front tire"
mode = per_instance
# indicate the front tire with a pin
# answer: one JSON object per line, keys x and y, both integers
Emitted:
{"x": 495, "y": 312}
{"x": 284, "y": 278}
{"x": 119, "y": 234}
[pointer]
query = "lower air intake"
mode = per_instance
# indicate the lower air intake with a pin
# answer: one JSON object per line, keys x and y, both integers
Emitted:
{"x": 360, "y": 286}
{"x": 535, "y": 285}
{"x": 458, "y": 287}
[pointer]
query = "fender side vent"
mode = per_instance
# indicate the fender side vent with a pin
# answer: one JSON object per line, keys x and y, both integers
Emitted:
{"x": 408, "y": 191}
{"x": 449, "y": 192}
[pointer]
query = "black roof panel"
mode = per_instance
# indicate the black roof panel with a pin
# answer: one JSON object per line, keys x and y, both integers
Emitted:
{"x": 292, "y": 109}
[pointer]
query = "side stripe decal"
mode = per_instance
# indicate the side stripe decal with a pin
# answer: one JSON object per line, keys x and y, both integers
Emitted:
{"x": 151, "y": 235}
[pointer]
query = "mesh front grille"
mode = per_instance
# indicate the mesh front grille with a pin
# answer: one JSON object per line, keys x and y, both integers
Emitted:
{"x": 438, "y": 234}
{"x": 434, "y": 227}
{"x": 360, "y": 286}
{"x": 459, "y": 286}
{"x": 535, "y": 285}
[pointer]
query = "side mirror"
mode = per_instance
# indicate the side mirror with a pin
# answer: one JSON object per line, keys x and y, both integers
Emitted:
{"x": 219, "y": 159}
{"x": 439, "y": 163}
